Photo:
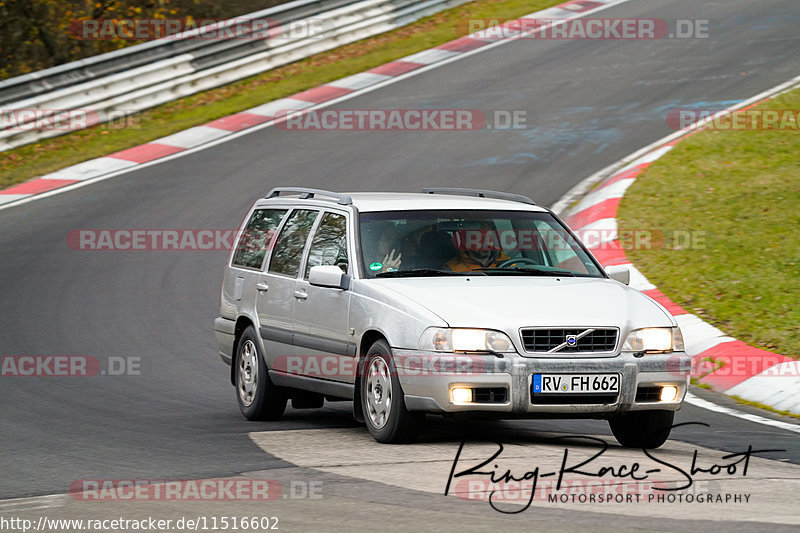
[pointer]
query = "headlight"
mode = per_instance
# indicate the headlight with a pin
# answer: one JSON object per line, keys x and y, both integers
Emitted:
{"x": 464, "y": 340}
{"x": 654, "y": 340}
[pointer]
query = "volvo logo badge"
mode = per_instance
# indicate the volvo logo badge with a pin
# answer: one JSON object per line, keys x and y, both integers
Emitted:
{"x": 572, "y": 340}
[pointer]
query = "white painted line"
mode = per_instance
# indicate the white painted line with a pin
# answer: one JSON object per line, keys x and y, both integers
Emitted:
{"x": 192, "y": 137}
{"x": 283, "y": 104}
{"x": 698, "y": 346}
{"x": 89, "y": 169}
{"x": 705, "y": 404}
{"x": 615, "y": 190}
{"x": 551, "y": 13}
{"x": 494, "y": 34}
{"x": 777, "y": 386}
{"x": 699, "y": 335}
{"x": 7, "y": 198}
{"x": 789, "y": 368}
{"x": 597, "y": 233}
{"x": 428, "y": 57}
{"x": 359, "y": 81}
{"x": 786, "y": 399}
{"x": 655, "y": 155}
{"x": 602, "y": 224}
{"x": 36, "y": 502}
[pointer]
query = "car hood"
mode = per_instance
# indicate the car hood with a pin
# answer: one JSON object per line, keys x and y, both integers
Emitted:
{"x": 511, "y": 302}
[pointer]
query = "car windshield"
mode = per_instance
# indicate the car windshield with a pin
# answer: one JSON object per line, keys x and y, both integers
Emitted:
{"x": 475, "y": 242}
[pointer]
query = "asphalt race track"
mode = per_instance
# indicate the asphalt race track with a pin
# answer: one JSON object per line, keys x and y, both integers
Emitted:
{"x": 588, "y": 103}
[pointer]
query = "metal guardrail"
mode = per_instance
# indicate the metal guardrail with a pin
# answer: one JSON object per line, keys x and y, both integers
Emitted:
{"x": 149, "y": 74}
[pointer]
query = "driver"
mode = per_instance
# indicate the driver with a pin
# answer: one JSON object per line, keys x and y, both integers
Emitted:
{"x": 478, "y": 248}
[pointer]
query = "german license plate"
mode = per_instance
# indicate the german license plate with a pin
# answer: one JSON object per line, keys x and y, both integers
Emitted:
{"x": 575, "y": 383}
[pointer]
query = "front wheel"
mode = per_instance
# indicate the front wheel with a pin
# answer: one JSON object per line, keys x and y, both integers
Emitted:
{"x": 642, "y": 429}
{"x": 382, "y": 399}
{"x": 258, "y": 397}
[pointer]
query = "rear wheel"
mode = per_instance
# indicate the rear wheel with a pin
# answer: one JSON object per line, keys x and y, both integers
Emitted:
{"x": 383, "y": 401}
{"x": 642, "y": 429}
{"x": 258, "y": 397}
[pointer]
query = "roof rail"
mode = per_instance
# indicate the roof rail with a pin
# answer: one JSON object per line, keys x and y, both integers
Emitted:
{"x": 306, "y": 193}
{"x": 480, "y": 193}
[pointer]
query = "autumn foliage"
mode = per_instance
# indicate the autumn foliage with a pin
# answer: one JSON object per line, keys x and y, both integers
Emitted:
{"x": 37, "y": 34}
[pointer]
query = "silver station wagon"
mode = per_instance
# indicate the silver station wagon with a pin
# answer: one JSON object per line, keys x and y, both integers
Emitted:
{"x": 450, "y": 301}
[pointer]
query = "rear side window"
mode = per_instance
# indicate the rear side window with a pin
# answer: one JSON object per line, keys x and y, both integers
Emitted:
{"x": 291, "y": 242}
{"x": 258, "y": 236}
{"x": 329, "y": 246}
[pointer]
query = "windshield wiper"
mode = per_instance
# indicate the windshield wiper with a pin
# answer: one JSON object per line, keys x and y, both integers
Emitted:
{"x": 423, "y": 272}
{"x": 528, "y": 271}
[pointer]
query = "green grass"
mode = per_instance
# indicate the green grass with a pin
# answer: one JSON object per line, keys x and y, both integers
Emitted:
{"x": 742, "y": 189}
{"x": 697, "y": 383}
{"x": 33, "y": 160}
{"x": 718, "y": 363}
{"x": 742, "y": 401}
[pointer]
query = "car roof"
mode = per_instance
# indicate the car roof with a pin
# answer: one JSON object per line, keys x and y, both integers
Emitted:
{"x": 400, "y": 201}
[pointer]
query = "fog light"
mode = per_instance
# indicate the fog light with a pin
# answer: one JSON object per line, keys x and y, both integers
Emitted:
{"x": 461, "y": 395}
{"x": 668, "y": 394}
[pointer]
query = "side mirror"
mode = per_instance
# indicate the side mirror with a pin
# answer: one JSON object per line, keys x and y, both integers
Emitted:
{"x": 619, "y": 273}
{"x": 329, "y": 276}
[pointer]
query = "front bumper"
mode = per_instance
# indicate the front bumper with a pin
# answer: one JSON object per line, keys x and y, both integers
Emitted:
{"x": 427, "y": 383}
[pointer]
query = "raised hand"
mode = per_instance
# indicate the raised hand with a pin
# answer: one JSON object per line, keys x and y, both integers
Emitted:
{"x": 391, "y": 262}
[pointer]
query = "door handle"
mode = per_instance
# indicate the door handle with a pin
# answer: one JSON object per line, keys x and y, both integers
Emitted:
{"x": 300, "y": 295}
{"x": 262, "y": 287}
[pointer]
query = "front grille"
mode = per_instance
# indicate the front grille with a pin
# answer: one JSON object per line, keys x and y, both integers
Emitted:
{"x": 490, "y": 395}
{"x": 574, "y": 399}
{"x": 544, "y": 340}
{"x": 648, "y": 394}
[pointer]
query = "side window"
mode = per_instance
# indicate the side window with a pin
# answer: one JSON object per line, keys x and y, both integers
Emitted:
{"x": 329, "y": 246}
{"x": 289, "y": 248}
{"x": 258, "y": 235}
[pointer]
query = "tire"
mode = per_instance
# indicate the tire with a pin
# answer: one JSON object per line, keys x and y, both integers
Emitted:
{"x": 257, "y": 396}
{"x": 382, "y": 399}
{"x": 642, "y": 429}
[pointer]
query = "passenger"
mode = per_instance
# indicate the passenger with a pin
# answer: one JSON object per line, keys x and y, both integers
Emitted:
{"x": 468, "y": 260}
